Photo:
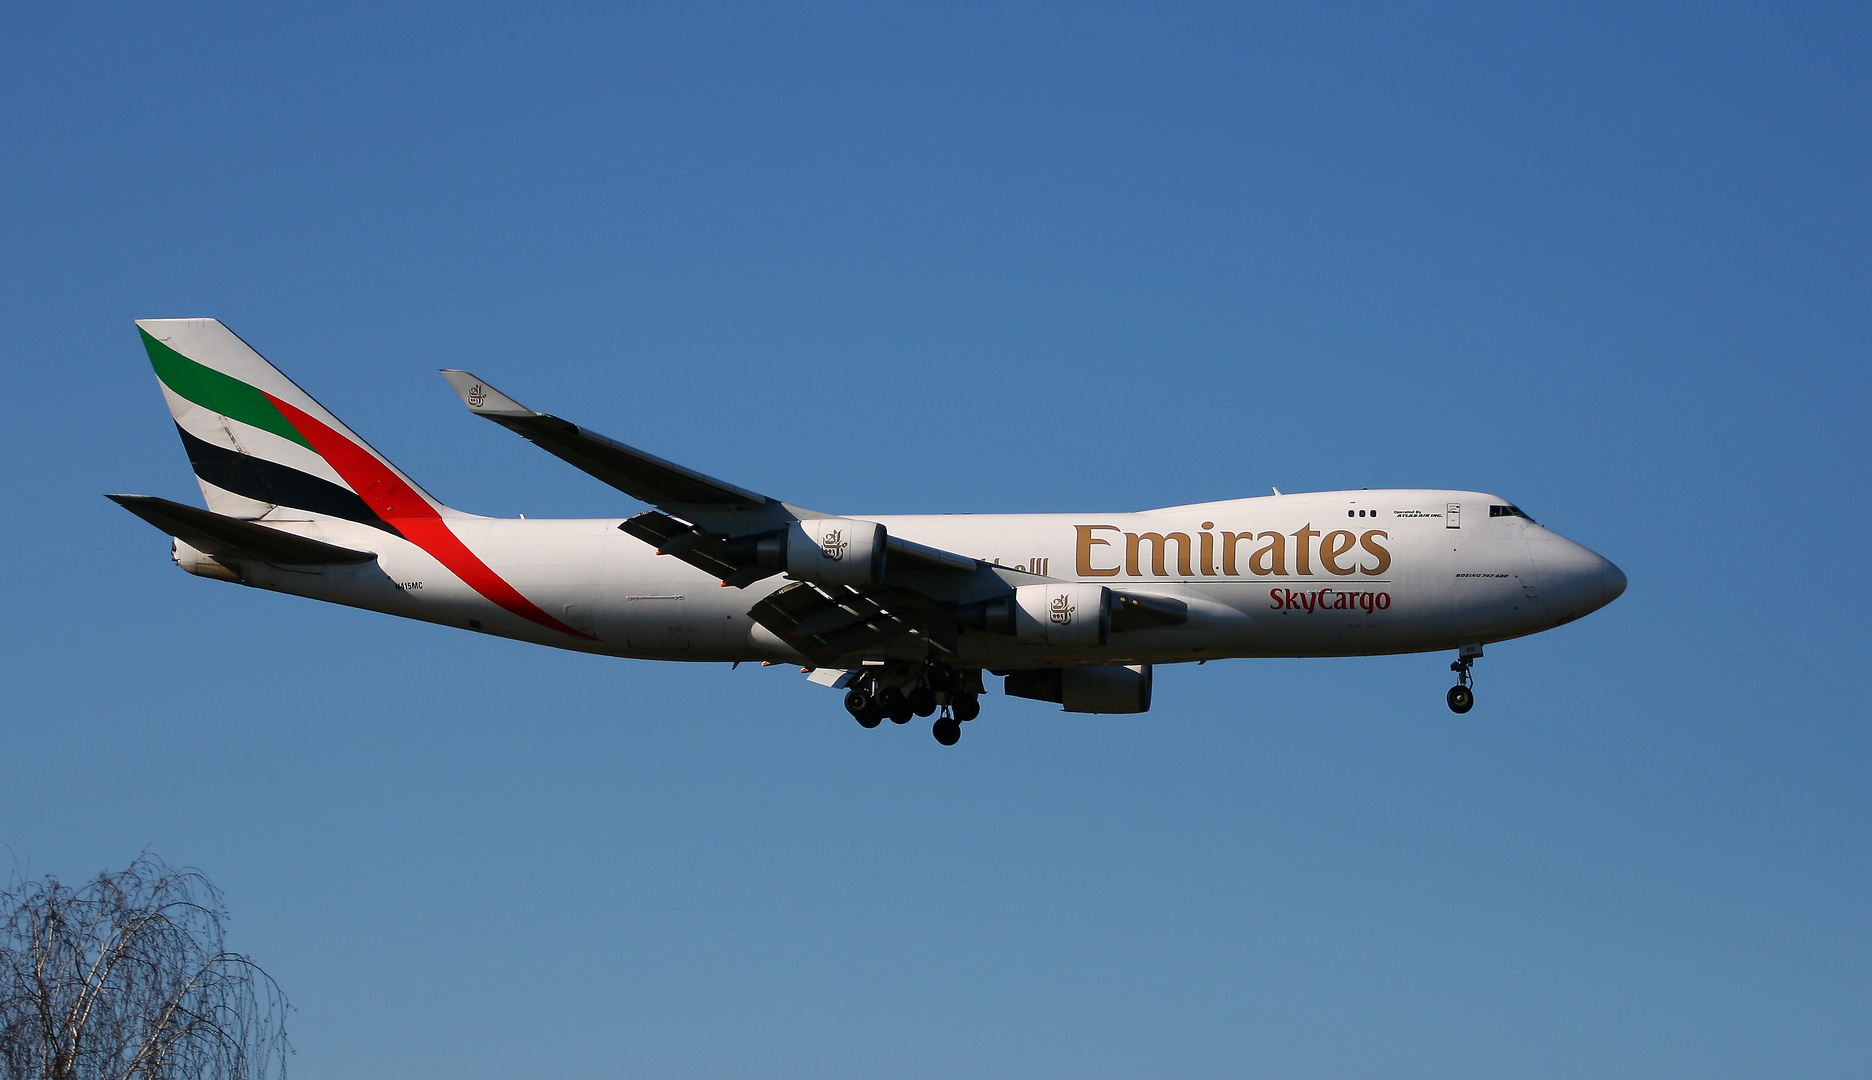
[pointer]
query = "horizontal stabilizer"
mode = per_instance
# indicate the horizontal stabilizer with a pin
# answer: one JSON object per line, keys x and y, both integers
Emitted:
{"x": 640, "y": 475}
{"x": 213, "y": 534}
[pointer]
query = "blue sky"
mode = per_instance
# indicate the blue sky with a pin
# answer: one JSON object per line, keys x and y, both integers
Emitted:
{"x": 1608, "y": 261}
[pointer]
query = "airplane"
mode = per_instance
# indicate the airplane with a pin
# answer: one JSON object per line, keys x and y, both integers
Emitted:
{"x": 905, "y": 614}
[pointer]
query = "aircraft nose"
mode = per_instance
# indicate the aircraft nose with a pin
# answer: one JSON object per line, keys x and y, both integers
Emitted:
{"x": 1576, "y": 580}
{"x": 1611, "y": 582}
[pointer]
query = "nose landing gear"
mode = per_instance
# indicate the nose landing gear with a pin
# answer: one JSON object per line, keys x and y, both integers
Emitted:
{"x": 1461, "y": 697}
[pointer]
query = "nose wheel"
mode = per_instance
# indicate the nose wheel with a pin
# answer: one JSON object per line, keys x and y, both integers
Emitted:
{"x": 1461, "y": 697}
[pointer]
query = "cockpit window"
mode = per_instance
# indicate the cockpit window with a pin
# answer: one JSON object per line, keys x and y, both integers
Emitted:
{"x": 1498, "y": 510}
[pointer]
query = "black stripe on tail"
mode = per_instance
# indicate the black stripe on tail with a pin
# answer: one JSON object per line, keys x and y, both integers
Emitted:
{"x": 281, "y": 485}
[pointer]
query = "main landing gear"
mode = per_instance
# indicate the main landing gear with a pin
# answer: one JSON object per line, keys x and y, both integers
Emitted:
{"x": 1461, "y": 697}
{"x": 930, "y": 689}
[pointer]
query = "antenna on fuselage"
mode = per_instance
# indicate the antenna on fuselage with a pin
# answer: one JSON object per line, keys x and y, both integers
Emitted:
{"x": 1277, "y": 491}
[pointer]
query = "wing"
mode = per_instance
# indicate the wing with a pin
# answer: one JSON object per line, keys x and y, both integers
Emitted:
{"x": 824, "y": 622}
{"x": 642, "y": 476}
{"x": 718, "y": 527}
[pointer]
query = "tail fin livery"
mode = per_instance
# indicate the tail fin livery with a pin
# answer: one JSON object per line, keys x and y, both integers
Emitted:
{"x": 263, "y": 449}
{"x": 260, "y": 445}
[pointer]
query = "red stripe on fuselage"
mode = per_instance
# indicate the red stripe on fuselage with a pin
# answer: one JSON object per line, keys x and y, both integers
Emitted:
{"x": 399, "y": 504}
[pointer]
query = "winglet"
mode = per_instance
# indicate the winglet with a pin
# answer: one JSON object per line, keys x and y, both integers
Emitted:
{"x": 482, "y": 398}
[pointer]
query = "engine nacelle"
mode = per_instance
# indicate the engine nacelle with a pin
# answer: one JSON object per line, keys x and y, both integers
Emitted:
{"x": 837, "y": 551}
{"x": 1102, "y": 689}
{"x": 1062, "y": 614}
{"x": 1056, "y": 613}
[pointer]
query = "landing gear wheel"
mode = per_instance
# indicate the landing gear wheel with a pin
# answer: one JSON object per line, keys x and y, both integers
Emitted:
{"x": 864, "y": 708}
{"x": 892, "y": 703}
{"x": 1462, "y": 695}
{"x": 942, "y": 678}
{"x": 922, "y": 702}
{"x": 965, "y": 707}
{"x": 947, "y": 731}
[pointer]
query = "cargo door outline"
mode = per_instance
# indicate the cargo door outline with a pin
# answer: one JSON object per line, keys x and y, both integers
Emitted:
{"x": 656, "y": 622}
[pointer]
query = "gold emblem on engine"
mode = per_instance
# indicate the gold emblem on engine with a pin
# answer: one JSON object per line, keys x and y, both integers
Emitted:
{"x": 1062, "y": 611}
{"x": 834, "y": 545}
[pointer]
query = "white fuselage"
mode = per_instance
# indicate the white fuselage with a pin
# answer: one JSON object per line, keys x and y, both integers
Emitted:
{"x": 1319, "y": 574}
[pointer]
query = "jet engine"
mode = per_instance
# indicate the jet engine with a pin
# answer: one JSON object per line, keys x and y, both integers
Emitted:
{"x": 1106, "y": 688}
{"x": 836, "y": 551}
{"x": 1057, "y": 613}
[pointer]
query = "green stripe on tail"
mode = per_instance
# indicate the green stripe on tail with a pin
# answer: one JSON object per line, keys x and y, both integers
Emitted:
{"x": 216, "y": 392}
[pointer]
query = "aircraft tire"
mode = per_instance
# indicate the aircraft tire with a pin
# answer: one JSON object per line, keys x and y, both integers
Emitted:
{"x": 1461, "y": 699}
{"x": 966, "y": 707}
{"x": 857, "y": 702}
{"x": 922, "y": 702}
{"x": 901, "y": 714}
{"x": 947, "y": 732}
{"x": 870, "y": 718}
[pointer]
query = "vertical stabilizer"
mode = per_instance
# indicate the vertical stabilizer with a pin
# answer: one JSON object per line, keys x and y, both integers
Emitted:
{"x": 263, "y": 449}
{"x": 261, "y": 446}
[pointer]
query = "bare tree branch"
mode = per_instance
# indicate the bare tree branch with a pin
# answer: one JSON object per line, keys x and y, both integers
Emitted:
{"x": 128, "y": 978}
